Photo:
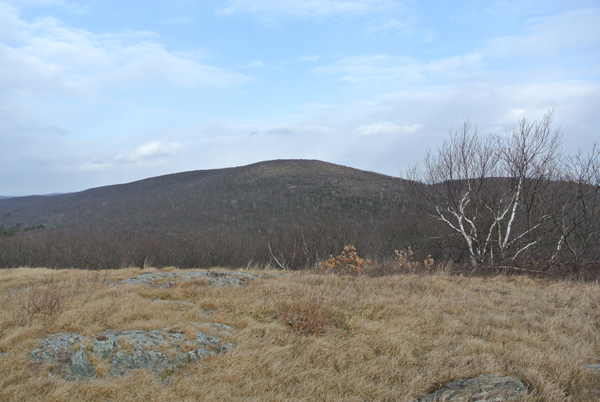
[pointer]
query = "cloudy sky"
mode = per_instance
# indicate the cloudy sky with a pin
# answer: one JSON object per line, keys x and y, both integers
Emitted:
{"x": 98, "y": 92}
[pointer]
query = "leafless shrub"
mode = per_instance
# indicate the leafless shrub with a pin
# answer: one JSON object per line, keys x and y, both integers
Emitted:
{"x": 38, "y": 303}
{"x": 295, "y": 247}
{"x": 406, "y": 262}
{"x": 303, "y": 309}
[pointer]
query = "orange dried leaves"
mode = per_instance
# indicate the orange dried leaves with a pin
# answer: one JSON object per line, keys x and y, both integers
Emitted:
{"x": 347, "y": 262}
{"x": 406, "y": 261}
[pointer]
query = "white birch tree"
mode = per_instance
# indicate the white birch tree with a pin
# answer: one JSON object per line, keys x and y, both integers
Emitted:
{"x": 487, "y": 190}
{"x": 576, "y": 212}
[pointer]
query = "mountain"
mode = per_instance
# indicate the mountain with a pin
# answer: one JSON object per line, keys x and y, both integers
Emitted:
{"x": 248, "y": 198}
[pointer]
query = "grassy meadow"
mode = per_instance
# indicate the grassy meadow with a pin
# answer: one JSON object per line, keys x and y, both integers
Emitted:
{"x": 309, "y": 336}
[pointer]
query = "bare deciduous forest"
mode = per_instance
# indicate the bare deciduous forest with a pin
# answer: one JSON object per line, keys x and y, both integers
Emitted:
{"x": 493, "y": 203}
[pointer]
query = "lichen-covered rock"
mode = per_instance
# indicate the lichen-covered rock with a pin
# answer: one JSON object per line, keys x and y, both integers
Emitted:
{"x": 104, "y": 344}
{"x": 485, "y": 388}
{"x": 215, "y": 278}
{"x": 79, "y": 364}
{"x": 56, "y": 347}
{"x": 123, "y": 360}
{"x": 161, "y": 351}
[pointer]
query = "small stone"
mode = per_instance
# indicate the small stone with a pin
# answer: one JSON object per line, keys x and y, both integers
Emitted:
{"x": 485, "y": 388}
{"x": 593, "y": 367}
{"x": 225, "y": 348}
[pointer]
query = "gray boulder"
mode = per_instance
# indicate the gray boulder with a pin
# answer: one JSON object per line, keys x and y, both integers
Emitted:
{"x": 488, "y": 388}
{"x": 161, "y": 351}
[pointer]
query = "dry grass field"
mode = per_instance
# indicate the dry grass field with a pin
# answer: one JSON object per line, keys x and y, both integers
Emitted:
{"x": 312, "y": 337}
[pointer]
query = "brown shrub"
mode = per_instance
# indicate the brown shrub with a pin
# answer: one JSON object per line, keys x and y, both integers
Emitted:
{"x": 303, "y": 310}
{"x": 39, "y": 302}
{"x": 406, "y": 262}
{"x": 348, "y": 262}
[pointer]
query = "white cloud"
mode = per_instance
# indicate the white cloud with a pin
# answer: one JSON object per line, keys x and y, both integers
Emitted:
{"x": 386, "y": 68}
{"x": 71, "y": 6}
{"x": 146, "y": 155}
{"x": 318, "y": 134}
{"x": 405, "y": 26}
{"x": 556, "y": 44}
{"x": 292, "y": 129}
{"x": 552, "y": 36}
{"x": 151, "y": 151}
{"x": 45, "y": 58}
{"x": 9, "y": 23}
{"x": 256, "y": 63}
{"x": 303, "y": 8}
{"x": 385, "y": 128}
{"x": 46, "y": 69}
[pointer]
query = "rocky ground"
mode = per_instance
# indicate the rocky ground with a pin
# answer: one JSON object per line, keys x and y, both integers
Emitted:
{"x": 163, "y": 279}
{"x": 162, "y": 351}
{"x": 491, "y": 387}
{"x": 95, "y": 357}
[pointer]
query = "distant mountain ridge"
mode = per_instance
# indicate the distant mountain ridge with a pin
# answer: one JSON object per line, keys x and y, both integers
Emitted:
{"x": 247, "y": 198}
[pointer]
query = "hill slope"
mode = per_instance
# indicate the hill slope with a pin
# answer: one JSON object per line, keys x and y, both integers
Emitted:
{"x": 247, "y": 198}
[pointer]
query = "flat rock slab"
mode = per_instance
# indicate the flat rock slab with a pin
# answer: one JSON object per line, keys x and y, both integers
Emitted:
{"x": 215, "y": 278}
{"x": 161, "y": 351}
{"x": 594, "y": 367}
{"x": 488, "y": 388}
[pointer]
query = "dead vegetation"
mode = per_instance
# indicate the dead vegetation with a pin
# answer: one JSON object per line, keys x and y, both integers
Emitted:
{"x": 313, "y": 336}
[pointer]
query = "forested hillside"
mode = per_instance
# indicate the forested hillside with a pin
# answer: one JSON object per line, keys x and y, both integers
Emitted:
{"x": 249, "y": 198}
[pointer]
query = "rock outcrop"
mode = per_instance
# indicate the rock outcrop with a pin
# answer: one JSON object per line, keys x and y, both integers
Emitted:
{"x": 594, "y": 367}
{"x": 215, "y": 278}
{"x": 161, "y": 351}
{"x": 485, "y": 388}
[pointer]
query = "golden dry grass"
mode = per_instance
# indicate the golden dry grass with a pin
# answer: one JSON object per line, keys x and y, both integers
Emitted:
{"x": 312, "y": 337}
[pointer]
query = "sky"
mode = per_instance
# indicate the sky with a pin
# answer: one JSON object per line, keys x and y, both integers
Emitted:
{"x": 100, "y": 92}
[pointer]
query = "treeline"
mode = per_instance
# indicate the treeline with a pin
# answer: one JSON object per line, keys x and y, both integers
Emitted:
{"x": 292, "y": 247}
